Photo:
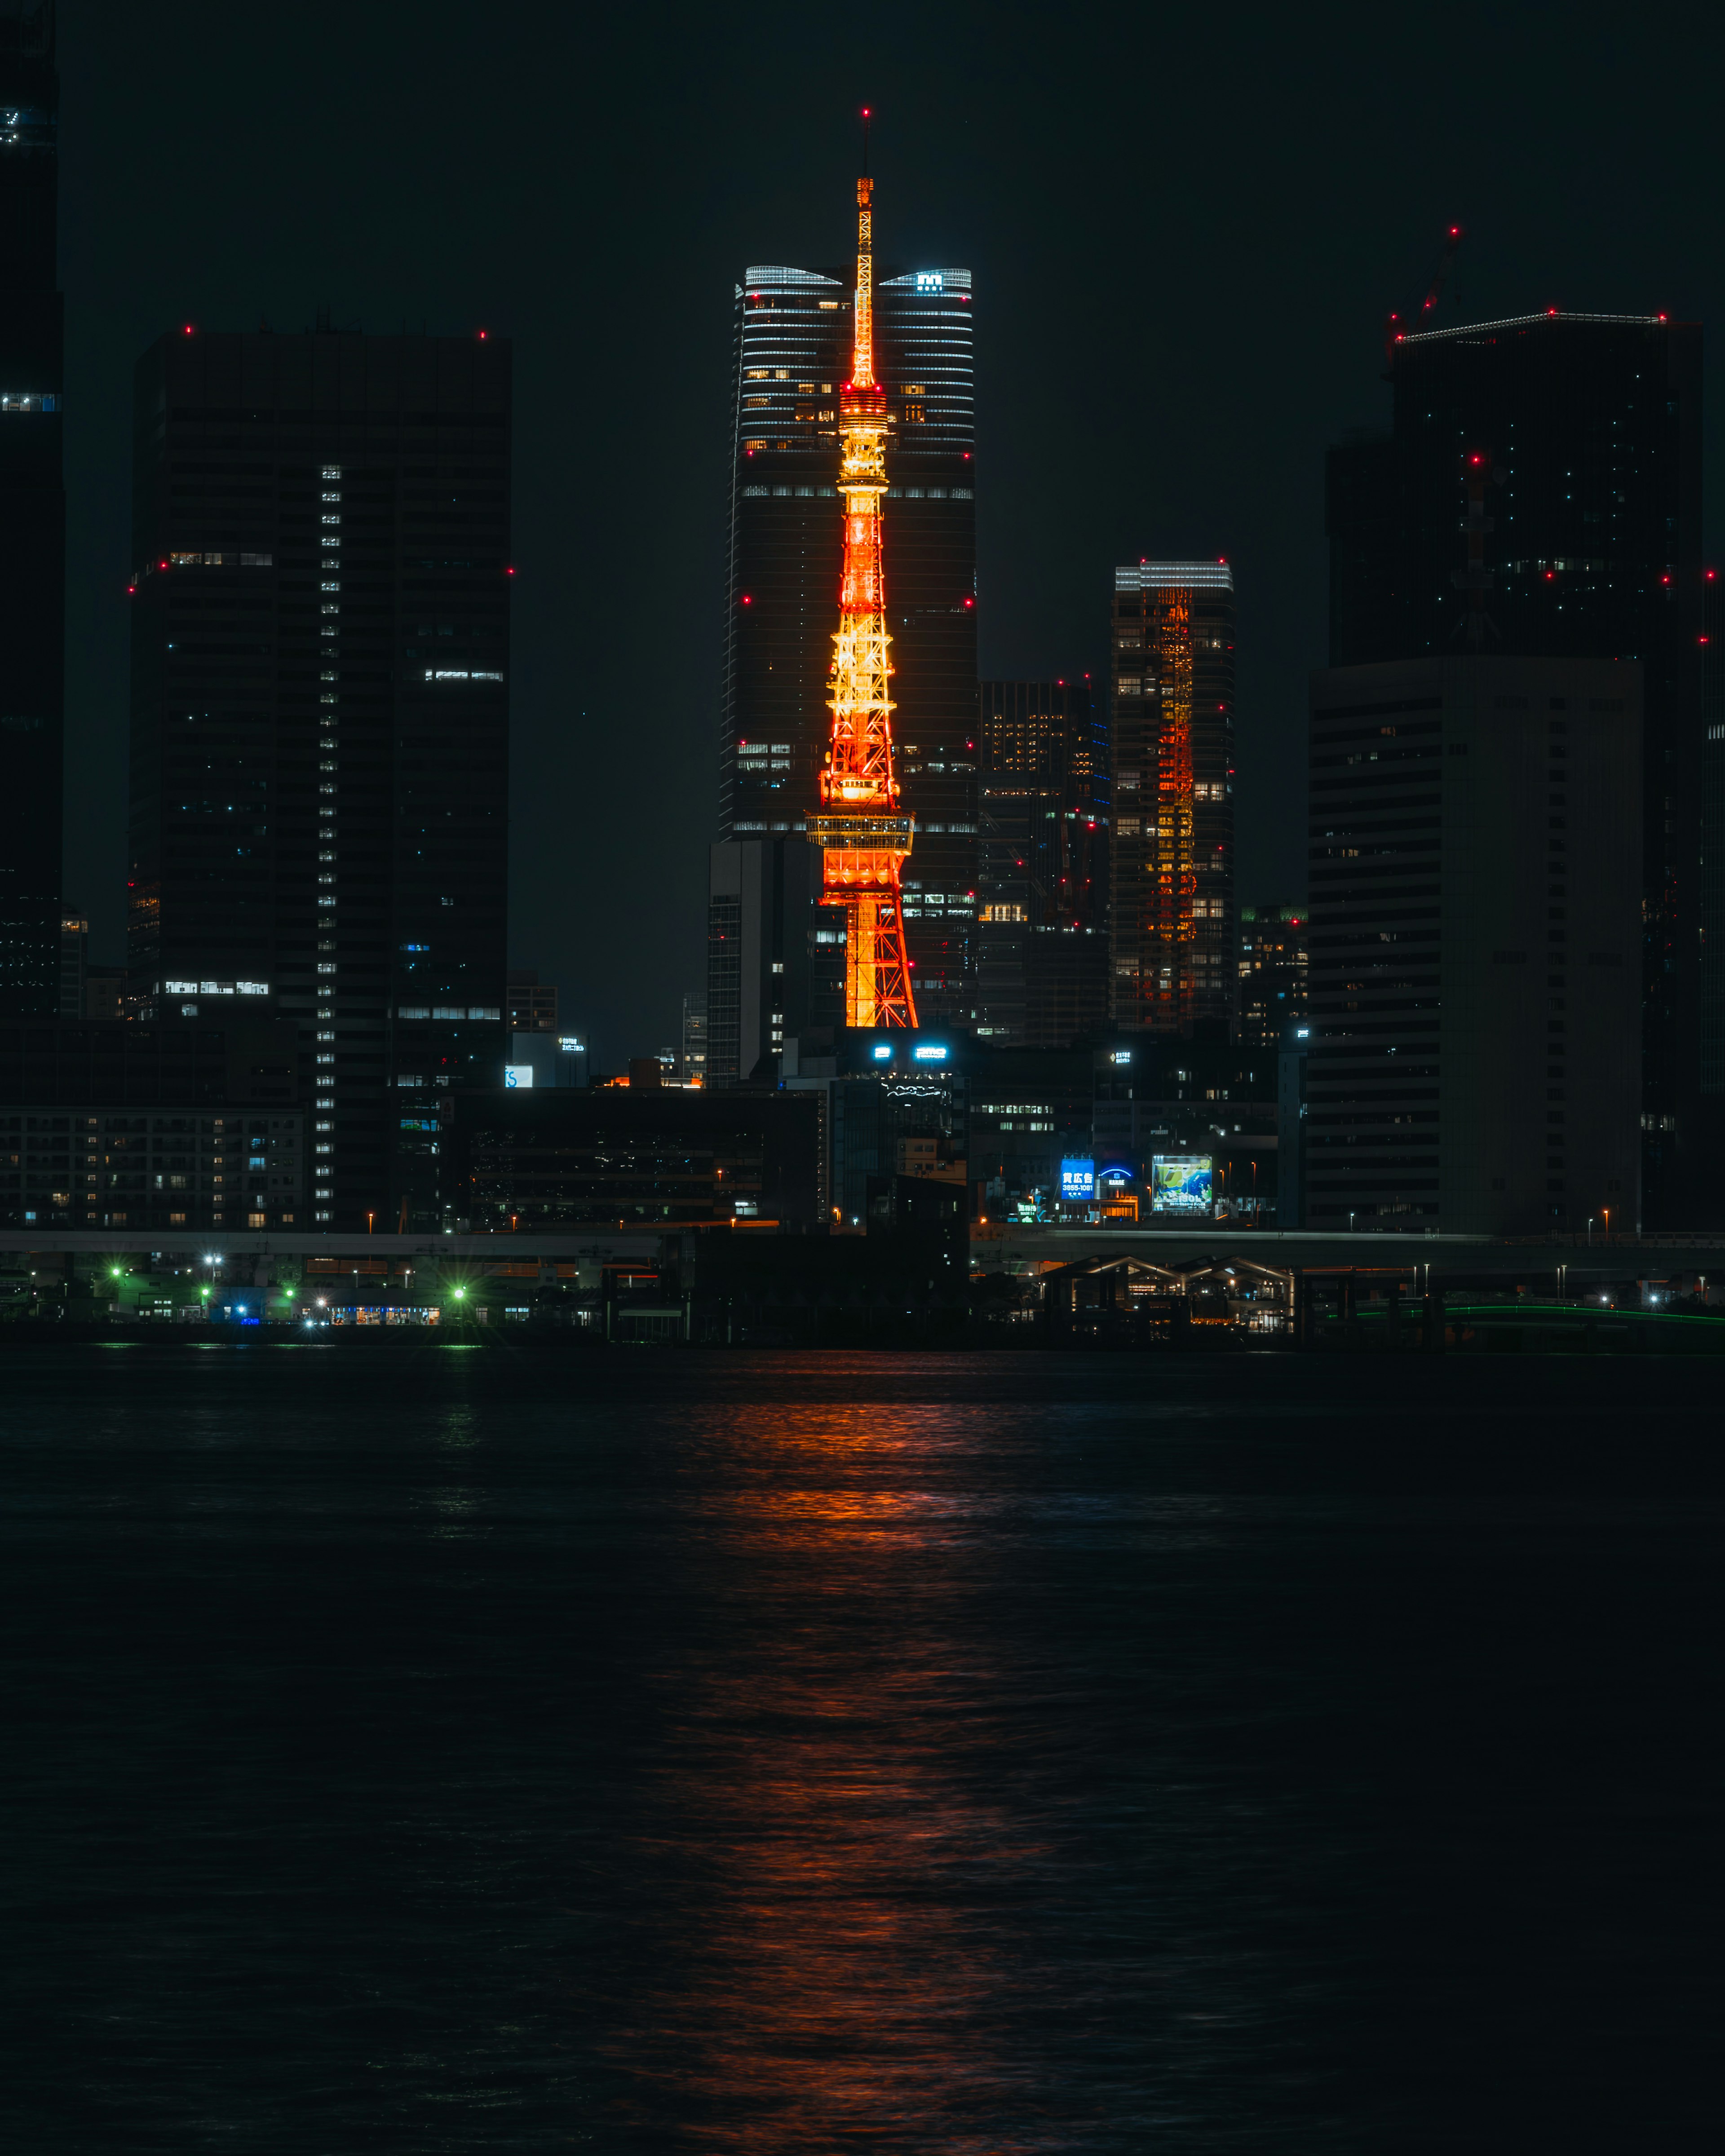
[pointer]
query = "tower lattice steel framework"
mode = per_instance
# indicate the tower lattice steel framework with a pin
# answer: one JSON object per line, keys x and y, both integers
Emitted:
{"x": 864, "y": 835}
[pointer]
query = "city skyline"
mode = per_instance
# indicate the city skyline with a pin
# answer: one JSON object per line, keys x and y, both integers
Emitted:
{"x": 1186, "y": 417}
{"x": 862, "y": 1014}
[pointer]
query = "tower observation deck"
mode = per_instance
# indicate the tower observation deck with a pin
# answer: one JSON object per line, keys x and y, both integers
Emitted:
{"x": 862, "y": 830}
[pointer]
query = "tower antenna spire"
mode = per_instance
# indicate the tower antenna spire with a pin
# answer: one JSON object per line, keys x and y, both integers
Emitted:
{"x": 865, "y": 142}
{"x": 863, "y": 833}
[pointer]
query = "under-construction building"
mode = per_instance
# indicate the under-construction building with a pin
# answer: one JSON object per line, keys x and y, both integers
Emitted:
{"x": 1171, "y": 849}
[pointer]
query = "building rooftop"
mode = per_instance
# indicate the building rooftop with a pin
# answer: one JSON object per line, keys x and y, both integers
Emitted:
{"x": 1525, "y": 321}
{"x": 1164, "y": 576}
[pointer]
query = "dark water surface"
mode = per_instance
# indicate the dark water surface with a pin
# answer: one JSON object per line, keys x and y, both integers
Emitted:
{"x": 434, "y": 1749}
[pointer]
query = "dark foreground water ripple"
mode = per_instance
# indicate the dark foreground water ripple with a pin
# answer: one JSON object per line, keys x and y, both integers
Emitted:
{"x": 415, "y": 1748}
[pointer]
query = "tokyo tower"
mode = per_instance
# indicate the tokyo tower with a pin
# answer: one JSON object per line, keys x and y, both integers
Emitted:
{"x": 864, "y": 836}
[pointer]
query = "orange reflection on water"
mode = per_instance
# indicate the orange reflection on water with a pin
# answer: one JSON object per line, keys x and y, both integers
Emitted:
{"x": 836, "y": 1967}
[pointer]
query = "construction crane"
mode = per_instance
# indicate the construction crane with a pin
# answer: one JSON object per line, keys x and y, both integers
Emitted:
{"x": 1404, "y": 323}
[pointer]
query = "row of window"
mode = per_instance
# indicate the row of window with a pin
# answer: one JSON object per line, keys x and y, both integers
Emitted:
{"x": 810, "y": 490}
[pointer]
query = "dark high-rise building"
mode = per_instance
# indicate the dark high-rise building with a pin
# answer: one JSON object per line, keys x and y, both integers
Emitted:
{"x": 691, "y": 1061}
{"x": 74, "y": 960}
{"x": 33, "y": 514}
{"x": 1538, "y": 494}
{"x": 1473, "y": 1055}
{"x": 1042, "y": 940}
{"x": 103, "y": 992}
{"x": 793, "y": 353}
{"x": 1272, "y": 972}
{"x": 320, "y": 723}
{"x": 532, "y": 1003}
{"x": 1713, "y": 843}
{"x": 1171, "y": 851}
{"x": 771, "y": 952}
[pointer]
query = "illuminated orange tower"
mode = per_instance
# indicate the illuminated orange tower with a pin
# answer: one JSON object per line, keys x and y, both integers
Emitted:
{"x": 864, "y": 835}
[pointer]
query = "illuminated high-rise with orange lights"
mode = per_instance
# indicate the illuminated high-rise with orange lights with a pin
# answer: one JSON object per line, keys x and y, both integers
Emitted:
{"x": 1171, "y": 844}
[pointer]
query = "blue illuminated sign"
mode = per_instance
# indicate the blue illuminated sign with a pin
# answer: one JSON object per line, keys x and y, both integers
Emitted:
{"x": 883, "y": 1053}
{"x": 1078, "y": 1178}
{"x": 928, "y": 1051}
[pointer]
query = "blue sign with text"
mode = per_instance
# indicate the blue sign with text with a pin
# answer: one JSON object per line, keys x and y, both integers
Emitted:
{"x": 1078, "y": 1178}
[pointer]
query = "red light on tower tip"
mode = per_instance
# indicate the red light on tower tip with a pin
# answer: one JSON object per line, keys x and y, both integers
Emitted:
{"x": 188, "y": 329}
{"x": 483, "y": 335}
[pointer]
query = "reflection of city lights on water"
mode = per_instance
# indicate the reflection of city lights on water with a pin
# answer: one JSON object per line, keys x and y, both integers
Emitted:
{"x": 834, "y": 1964}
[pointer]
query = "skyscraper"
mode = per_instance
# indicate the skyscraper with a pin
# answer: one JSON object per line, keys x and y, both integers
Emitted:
{"x": 792, "y": 356}
{"x": 531, "y": 1002}
{"x": 1473, "y": 1061}
{"x": 1712, "y": 841}
{"x": 1538, "y": 494}
{"x": 74, "y": 963}
{"x": 692, "y": 1060}
{"x": 1042, "y": 939}
{"x": 320, "y": 723}
{"x": 1273, "y": 957}
{"x": 33, "y": 514}
{"x": 1171, "y": 851}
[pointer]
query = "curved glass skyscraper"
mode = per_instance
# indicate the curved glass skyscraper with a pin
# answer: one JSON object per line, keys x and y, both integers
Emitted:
{"x": 791, "y": 356}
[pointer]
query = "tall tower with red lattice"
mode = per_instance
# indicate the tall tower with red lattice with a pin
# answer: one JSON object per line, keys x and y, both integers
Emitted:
{"x": 864, "y": 834}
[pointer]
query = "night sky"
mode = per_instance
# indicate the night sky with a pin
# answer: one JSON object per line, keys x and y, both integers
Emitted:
{"x": 1186, "y": 228}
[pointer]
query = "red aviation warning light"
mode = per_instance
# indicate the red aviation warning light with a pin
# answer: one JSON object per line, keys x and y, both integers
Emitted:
{"x": 864, "y": 835}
